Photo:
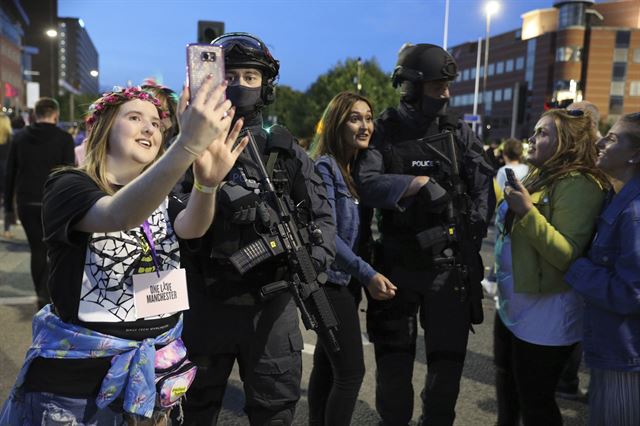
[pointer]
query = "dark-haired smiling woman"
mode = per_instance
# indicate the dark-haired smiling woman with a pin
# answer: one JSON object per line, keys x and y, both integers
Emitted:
{"x": 346, "y": 127}
{"x": 608, "y": 279}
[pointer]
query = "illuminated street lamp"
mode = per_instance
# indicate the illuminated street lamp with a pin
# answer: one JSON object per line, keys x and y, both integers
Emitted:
{"x": 94, "y": 73}
{"x": 51, "y": 33}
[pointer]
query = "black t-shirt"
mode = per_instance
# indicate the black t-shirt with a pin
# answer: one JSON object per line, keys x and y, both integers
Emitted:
{"x": 90, "y": 278}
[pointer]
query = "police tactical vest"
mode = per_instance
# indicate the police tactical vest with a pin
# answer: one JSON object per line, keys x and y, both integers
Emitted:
{"x": 409, "y": 155}
{"x": 224, "y": 238}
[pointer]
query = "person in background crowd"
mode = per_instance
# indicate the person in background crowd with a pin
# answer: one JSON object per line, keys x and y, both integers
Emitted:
{"x": 169, "y": 101}
{"x": 512, "y": 157}
{"x": 593, "y": 111}
{"x": 544, "y": 224}
{"x": 347, "y": 126}
{"x": 35, "y": 152}
{"x": 112, "y": 235}
{"x": 608, "y": 279}
{"x": 17, "y": 123}
{"x": 5, "y": 143}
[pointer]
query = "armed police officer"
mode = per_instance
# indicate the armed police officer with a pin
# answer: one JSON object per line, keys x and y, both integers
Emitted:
{"x": 425, "y": 170}
{"x": 229, "y": 320}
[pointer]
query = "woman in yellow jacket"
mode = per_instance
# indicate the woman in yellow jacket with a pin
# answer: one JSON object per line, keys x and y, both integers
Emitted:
{"x": 545, "y": 223}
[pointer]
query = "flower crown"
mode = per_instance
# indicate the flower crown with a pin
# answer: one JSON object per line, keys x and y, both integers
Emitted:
{"x": 118, "y": 96}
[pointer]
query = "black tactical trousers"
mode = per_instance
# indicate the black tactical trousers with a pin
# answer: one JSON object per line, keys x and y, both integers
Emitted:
{"x": 392, "y": 327}
{"x": 266, "y": 342}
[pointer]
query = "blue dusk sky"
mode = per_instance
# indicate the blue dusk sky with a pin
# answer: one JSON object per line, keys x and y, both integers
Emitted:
{"x": 144, "y": 38}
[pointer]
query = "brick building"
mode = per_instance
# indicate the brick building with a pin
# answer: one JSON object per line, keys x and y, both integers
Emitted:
{"x": 546, "y": 60}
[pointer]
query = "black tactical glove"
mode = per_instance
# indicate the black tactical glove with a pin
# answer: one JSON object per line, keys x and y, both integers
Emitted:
{"x": 237, "y": 203}
{"x": 433, "y": 197}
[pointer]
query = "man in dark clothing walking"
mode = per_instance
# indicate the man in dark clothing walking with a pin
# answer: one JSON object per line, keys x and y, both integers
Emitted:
{"x": 35, "y": 151}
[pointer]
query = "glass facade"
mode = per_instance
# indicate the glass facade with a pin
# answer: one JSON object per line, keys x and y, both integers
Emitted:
{"x": 571, "y": 14}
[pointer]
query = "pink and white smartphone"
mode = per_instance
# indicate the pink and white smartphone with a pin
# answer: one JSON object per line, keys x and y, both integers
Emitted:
{"x": 202, "y": 60}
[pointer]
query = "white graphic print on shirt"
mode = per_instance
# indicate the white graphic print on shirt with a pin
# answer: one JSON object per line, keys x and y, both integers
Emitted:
{"x": 111, "y": 261}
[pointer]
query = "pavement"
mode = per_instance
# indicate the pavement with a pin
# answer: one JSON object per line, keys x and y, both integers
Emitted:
{"x": 476, "y": 403}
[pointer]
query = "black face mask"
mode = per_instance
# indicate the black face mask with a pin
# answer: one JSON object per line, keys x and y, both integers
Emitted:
{"x": 432, "y": 107}
{"x": 245, "y": 99}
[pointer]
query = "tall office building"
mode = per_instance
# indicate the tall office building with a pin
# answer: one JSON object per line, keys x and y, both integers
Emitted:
{"x": 13, "y": 20}
{"x": 41, "y": 35}
{"x": 575, "y": 50}
{"x": 77, "y": 58}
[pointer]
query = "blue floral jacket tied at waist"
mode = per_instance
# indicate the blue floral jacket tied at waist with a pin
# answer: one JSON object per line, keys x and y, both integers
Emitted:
{"x": 132, "y": 366}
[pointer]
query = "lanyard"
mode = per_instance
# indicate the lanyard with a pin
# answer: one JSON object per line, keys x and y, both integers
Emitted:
{"x": 147, "y": 233}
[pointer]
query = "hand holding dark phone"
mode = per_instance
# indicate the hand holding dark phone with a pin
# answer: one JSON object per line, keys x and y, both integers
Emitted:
{"x": 512, "y": 181}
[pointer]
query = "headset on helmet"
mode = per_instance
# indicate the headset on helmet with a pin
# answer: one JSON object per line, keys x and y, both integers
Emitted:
{"x": 418, "y": 63}
{"x": 246, "y": 50}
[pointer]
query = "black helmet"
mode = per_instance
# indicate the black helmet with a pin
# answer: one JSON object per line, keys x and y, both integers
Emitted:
{"x": 422, "y": 62}
{"x": 246, "y": 50}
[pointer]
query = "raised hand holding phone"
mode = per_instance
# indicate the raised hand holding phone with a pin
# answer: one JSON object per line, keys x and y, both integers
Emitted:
{"x": 203, "y": 60}
{"x": 516, "y": 195}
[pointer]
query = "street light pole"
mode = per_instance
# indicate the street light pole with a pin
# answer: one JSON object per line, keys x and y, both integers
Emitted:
{"x": 477, "y": 85}
{"x": 490, "y": 8}
{"x": 446, "y": 24}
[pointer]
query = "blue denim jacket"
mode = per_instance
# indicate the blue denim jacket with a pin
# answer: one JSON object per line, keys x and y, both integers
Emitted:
{"x": 132, "y": 371}
{"x": 609, "y": 281}
{"x": 346, "y": 216}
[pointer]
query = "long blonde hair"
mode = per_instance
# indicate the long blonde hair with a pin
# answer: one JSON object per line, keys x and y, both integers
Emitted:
{"x": 328, "y": 138}
{"x": 575, "y": 152}
{"x": 5, "y": 129}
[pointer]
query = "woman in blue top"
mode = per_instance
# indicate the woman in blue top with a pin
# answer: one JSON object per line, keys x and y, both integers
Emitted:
{"x": 608, "y": 279}
{"x": 111, "y": 234}
{"x": 346, "y": 127}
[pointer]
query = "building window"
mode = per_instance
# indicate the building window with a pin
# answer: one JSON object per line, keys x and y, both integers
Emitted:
{"x": 620, "y": 55}
{"x": 491, "y": 69}
{"x": 636, "y": 56}
{"x": 509, "y": 65}
{"x": 506, "y": 95}
{"x": 500, "y": 67}
{"x": 571, "y": 14}
{"x": 531, "y": 61}
{"x": 634, "y": 88}
{"x": 498, "y": 95}
{"x": 617, "y": 88}
{"x": 465, "y": 74}
{"x": 519, "y": 63}
{"x": 623, "y": 38}
{"x": 619, "y": 72}
{"x": 568, "y": 54}
{"x": 616, "y": 104}
{"x": 473, "y": 73}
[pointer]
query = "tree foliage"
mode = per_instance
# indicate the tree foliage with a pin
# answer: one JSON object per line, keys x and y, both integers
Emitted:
{"x": 301, "y": 111}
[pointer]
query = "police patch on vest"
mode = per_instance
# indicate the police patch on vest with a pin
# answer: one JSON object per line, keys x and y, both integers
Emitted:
{"x": 422, "y": 165}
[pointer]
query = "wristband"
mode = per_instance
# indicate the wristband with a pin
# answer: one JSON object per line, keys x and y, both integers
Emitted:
{"x": 205, "y": 189}
{"x": 190, "y": 151}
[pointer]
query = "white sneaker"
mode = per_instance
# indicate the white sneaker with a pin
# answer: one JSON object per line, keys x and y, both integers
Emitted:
{"x": 491, "y": 287}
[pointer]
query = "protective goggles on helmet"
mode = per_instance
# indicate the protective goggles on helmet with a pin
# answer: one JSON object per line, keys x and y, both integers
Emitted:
{"x": 248, "y": 45}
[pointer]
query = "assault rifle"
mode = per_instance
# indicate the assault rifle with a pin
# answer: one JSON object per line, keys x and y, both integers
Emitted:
{"x": 284, "y": 236}
{"x": 453, "y": 243}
